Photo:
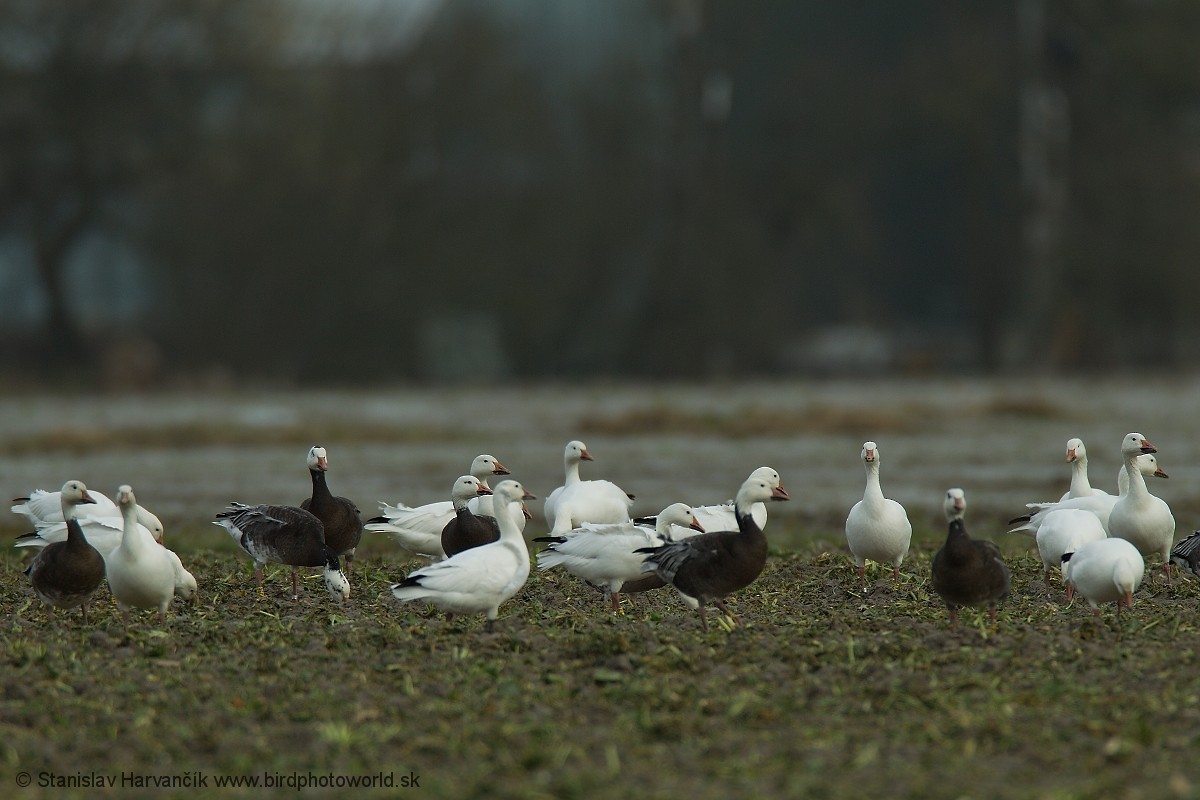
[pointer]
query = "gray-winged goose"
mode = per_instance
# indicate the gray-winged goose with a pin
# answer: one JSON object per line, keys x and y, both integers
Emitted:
{"x": 710, "y": 566}
{"x": 284, "y": 535}
{"x": 578, "y": 501}
{"x": 66, "y": 574}
{"x": 877, "y": 528}
{"x": 966, "y": 571}
{"x": 1138, "y": 516}
{"x": 467, "y": 529}
{"x": 339, "y": 516}
{"x": 605, "y": 555}
{"x": 1186, "y": 554}
{"x": 140, "y": 573}
{"x": 480, "y": 579}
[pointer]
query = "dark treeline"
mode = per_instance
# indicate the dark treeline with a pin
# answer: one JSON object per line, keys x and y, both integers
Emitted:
{"x": 339, "y": 192}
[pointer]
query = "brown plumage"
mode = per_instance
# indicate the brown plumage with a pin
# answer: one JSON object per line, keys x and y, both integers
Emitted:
{"x": 468, "y": 529}
{"x": 969, "y": 572}
{"x": 66, "y": 574}
{"x": 339, "y": 516}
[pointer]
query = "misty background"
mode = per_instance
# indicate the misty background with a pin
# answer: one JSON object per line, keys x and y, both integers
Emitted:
{"x": 211, "y": 192}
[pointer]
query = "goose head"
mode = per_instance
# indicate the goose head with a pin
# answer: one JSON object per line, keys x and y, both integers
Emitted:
{"x": 511, "y": 491}
{"x": 757, "y": 490}
{"x": 955, "y": 504}
{"x": 335, "y": 579}
{"x": 1076, "y": 451}
{"x": 870, "y": 453}
{"x": 75, "y": 493}
{"x": 575, "y": 452}
{"x": 1147, "y": 464}
{"x": 466, "y": 487}
{"x": 679, "y": 514}
{"x": 1134, "y": 444}
{"x": 772, "y": 477}
{"x": 485, "y": 465}
{"x": 318, "y": 461}
{"x": 151, "y": 523}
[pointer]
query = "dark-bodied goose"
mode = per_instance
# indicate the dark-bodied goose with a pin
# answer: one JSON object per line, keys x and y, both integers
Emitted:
{"x": 140, "y": 573}
{"x": 710, "y": 566}
{"x": 479, "y": 579}
{"x": 966, "y": 571}
{"x": 66, "y": 574}
{"x": 1186, "y": 554}
{"x": 1139, "y": 517}
{"x": 284, "y": 535}
{"x": 877, "y": 529}
{"x": 339, "y": 516}
{"x": 578, "y": 501}
{"x": 419, "y": 529}
{"x": 606, "y": 556}
{"x": 467, "y": 529}
{"x": 1105, "y": 571}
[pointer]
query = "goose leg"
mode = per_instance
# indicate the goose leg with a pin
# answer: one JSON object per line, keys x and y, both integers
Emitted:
{"x": 616, "y": 602}
{"x": 85, "y": 619}
{"x": 953, "y": 618}
{"x": 295, "y": 586}
{"x": 703, "y": 618}
{"x": 721, "y": 605}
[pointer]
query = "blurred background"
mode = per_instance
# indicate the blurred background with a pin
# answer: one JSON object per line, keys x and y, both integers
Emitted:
{"x": 351, "y": 192}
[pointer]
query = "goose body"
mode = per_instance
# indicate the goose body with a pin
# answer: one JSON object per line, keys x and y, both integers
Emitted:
{"x": 44, "y": 511}
{"x": 66, "y": 574}
{"x": 578, "y": 501}
{"x": 419, "y": 530}
{"x": 340, "y": 518}
{"x": 1139, "y": 517}
{"x": 468, "y": 529}
{"x": 966, "y": 571}
{"x": 284, "y": 535}
{"x": 1064, "y": 531}
{"x": 605, "y": 555}
{"x": 710, "y": 566}
{"x": 480, "y": 579}
{"x": 140, "y": 573}
{"x": 1105, "y": 571}
{"x": 1186, "y": 554}
{"x": 877, "y": 529}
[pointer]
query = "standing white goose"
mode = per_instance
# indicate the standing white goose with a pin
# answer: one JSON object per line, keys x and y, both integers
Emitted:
{"x": 1080, "y": 485}
{"x": 603, "y": 554}
{"x": 877, "y": 528}
{"x": 481, "y": 578}
{"x": 140, "y": 573}
{"x": 419, "y": 530}
{"x": 578, "y": 501}
{"x": 1105, "y": 571}
{"x": 1140, "y": 517}
{"x": 1064, "y": 531}
{"x": 67, "y": 574}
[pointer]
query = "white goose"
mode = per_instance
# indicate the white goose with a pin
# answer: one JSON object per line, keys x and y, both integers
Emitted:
{"x": 1064, "y": 531}
{"x": 1080, "y": 485}
{"x": 578, "y": 501}
{"x": 603, "y": 554}
{"x": 419, "y": 530}
{"x": 877, "y": 528}
{"x": 1105, "y": 571}
{"x": 44, "y": 511}
{"x": 1099, "y": 504}
{"x": 140, "y": 573}
{"x": 1140, "y": 517}
{"x": 481, "y": 578}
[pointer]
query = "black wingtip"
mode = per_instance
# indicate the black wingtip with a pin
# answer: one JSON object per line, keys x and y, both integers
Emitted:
{"x": 554, "y": 539}
{"x": 1024, "y": 518}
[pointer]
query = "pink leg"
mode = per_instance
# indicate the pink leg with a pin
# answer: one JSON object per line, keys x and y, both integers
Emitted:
{"x": 703, "y": 619}
{"x": 953, "y": 618}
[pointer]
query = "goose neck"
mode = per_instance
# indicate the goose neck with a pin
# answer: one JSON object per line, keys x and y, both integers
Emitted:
{"x": 1133, "y": 476}
{"x": 873, "y": 491}
{"x": 571, "y": 469}
{"x": 1080, "y": 485}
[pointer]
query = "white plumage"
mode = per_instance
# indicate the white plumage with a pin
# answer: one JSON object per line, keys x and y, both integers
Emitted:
{"x": 1106, "y": 571}
{"x": 140, "y": 573}
{"x": 1064, "y": 531}
{"x": 877, "y": 529}
{"x": 1140, "y": 517}
{"x": 578, "y": 501}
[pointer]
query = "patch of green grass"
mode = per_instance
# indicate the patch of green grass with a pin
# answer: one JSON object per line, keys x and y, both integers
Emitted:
{"x": 825, "y": 691}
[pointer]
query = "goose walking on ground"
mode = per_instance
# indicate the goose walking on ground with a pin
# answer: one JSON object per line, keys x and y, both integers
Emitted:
{"x": 140, "y": 573}
{"x": 966, "y": 571}
{"x": 1139, "y": 517}
{"x": 419, "y": 530}
{"x": 478, "y": 580}
{"x": 467, "y": 529}
{"x": 578, "y": 501}
{"x": 339, "y": 517}
{"x": 284, "y": 535}
{"x": 1098, "y": 503}
{"x": 877, "y": 529}
{"x": 67, "y": 574}
{"x": 1063, "y": 532}
{"x": 605, "y": 555}
{"x": 1105, "y": 571}
{"x": 710, "y": 566}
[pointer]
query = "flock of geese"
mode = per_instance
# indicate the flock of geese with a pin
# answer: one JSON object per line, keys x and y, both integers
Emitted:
{"x": 478, "y": 556}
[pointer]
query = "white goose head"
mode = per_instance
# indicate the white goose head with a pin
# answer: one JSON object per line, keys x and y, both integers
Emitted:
{"x": 955, "y": 504}
{"x": 485, "y": 465}
{"x": 1076, "y": 451}
{"x": 575, "y": 452}
{"x": 870, "y": 454}
{"x": 465, "y": 487}
{"x": 318, "y": 460}
{"x": 757, "y": 490}
{"x": 1134, "y": 444}
{"x": 73, "y": 493}
{"x": 126, "y": 499}
{"x": 1147, "y": 464}
{"x": 510, "y": 491}
{"x": 678, "y": 514}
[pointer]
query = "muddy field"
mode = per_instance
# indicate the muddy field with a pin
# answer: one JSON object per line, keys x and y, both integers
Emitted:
{"x": 824, "y": 692}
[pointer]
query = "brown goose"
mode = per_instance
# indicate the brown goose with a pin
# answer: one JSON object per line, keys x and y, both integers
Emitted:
{"x": 708, "y": 567}
{"x": 66, "y": 574}
{"x": 966, "y": 571}
{"x": 468, "y": 530}
{"x": 339, "y": 516}
{"x": 284, "y": 535}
